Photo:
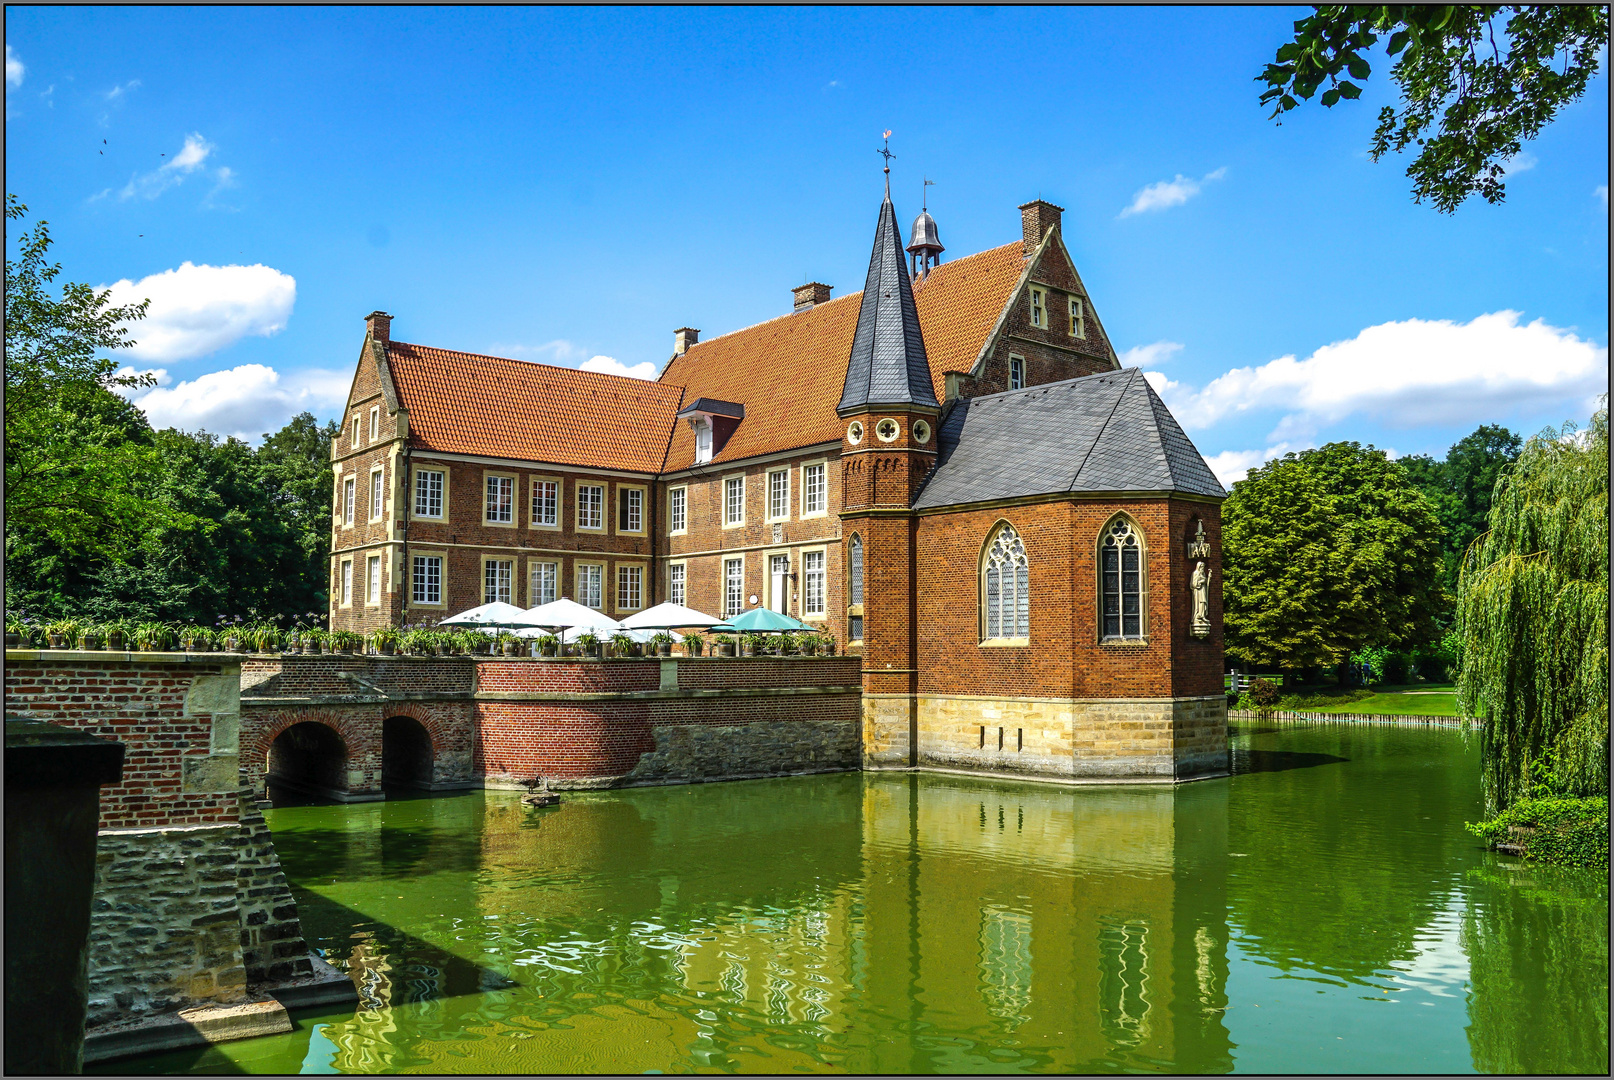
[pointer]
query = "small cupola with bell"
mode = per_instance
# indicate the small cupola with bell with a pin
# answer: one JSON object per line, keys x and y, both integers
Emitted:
{"x": 924, "y": 245}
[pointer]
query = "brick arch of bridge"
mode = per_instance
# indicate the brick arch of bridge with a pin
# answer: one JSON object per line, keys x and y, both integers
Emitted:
{"x": 448, "y": 724}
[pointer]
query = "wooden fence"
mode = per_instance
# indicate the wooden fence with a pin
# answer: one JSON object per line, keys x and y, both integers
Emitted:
{"x": 1288, "y": 716}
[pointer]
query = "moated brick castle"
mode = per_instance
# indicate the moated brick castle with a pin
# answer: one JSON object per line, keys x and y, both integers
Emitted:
{"x": 949, "y": 471}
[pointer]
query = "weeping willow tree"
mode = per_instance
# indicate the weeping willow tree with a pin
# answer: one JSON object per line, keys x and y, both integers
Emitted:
{"x": 1532, "y": 609}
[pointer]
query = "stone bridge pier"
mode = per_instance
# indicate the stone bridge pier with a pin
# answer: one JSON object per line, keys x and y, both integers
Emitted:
{"x": 354, "y": 752}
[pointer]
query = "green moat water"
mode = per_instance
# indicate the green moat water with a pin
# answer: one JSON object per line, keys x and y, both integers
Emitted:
{"x": 1322, "y": 910}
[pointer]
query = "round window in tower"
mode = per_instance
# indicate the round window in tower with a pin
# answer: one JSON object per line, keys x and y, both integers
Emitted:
{"x": 854, "y": 432}
{"x": 921, "y": 432}
{"x": 887, "y": 429}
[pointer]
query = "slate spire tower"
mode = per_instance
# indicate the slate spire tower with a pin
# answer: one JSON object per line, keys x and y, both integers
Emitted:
{"x": 889, "y": 405}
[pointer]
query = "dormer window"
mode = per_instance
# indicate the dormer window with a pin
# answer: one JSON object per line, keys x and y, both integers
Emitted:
{"x": 712, "y": 422}
{"x": 703, "y": 440}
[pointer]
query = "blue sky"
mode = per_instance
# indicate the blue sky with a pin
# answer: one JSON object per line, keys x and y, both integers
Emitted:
{"x": 570, "y": 185}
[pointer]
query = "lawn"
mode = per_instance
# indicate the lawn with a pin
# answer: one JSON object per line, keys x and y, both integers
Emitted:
{"x": 1412, "y": 699}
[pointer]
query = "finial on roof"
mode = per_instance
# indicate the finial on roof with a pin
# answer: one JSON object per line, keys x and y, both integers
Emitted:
{"x": 885, "y": 152}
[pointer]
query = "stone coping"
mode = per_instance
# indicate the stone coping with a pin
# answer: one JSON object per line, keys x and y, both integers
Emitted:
{"x": 1046, "y": 778}
{"x": 182, "y": 657}
{"x": 14, "y": 656}
{"x": 559, "y": 695}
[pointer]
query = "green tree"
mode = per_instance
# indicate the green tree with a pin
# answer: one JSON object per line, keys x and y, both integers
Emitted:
{"x": 1532, "y": 611}
{"x": 296, "y": 463}
{"x": 75, "y": 455}
{"x": 1490, "y": 77}
{"x": 1459, "y": 488}
{"x": 1325, "y": 552}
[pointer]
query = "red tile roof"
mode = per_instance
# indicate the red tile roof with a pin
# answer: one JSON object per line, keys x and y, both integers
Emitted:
{"x": 788, "y": 372}
{"x": 463, "y": 403}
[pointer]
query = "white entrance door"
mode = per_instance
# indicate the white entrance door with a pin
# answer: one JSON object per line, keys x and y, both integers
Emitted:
{"x": 779, "y": 567}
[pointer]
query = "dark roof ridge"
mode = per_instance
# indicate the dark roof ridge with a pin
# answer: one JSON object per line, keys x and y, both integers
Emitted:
{"x": 536, "y": 363}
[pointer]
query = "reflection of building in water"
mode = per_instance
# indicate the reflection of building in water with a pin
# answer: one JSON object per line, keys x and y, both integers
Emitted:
{"x": 1123, "y": 976}
{"x": 1006, "y": 963}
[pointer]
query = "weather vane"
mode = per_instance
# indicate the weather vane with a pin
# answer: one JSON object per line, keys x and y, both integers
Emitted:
{"x": 924, "y": 203}
{"x": 885, "y": 151}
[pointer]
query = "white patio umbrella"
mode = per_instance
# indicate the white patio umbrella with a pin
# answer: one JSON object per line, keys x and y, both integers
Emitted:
{"x": 494, "y": 616}
{"x": 670, "y": 616}
{"x": 566, "y": 615}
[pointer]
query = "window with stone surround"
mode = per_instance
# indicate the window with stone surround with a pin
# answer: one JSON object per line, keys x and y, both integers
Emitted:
{"x": 1017, "y": 373}
{"x": 779, "y": 494}
{"x": 355, "y": 440}
{"x": 347, "y": 582}
{"x": 496, "y": 580}
{"x": 733, "y": 501}
{"x": 676, "y": 579}
{"x": 378, "y": 493}
{"x": 545, "y": 509}
{"x": 733, "y": 586}
{"x": 677, "y": 510}
{"x": 590, "y": 506}
{"x": 814, "y": 489}
{"x": 1078, "y": 318}
{"x": 1005, "y": 589}
{"x": 428, "y": 493}
{"x": 1039, "y": 308}
{"x": 629, "y": 587}
{"x": 812, "y": 585}
{"x": 349, "y": 496}
{"x": 372, "y": 580}
{"x": 427, "y": 580}
{"x": 854, "y": 588}
{"x": 375, "y": 423}
{"x": 499, "y": 504}
{"x": 542, "y": 577}
{"x": 630, "y": 509}
{"x": 590, "y": 584}
{"x": 1121, "y": 581}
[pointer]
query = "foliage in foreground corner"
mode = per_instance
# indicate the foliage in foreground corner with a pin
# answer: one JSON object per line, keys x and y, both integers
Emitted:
{"x": 1488, "y": 77}
{"x": 1532, "y": 611}
{"x": 1555, "y": 829}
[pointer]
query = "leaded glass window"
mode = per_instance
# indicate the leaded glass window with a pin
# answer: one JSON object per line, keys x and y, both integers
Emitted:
{"x": 1121, "y": 570}
{"x": 1006, "y": 574}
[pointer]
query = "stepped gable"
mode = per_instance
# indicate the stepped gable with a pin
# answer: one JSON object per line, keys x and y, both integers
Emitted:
{"x": 887, "y": 364}
{"x": 789, "y": 372}
{"x": 463, "y": 403}
{"x": 1099, "y": 433}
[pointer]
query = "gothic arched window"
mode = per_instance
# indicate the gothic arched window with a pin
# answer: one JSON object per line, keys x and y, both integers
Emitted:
{"x": 1121, "y": 581}
{"x": 854, "y": 589}
{"x": 1005, "y": 588}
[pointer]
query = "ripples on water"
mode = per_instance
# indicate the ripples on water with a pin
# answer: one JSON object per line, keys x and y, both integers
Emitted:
{"x": 1321, "y": 910}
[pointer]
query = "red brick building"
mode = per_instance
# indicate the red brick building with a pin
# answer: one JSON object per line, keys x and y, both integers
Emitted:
{"x": 948, "y": 471}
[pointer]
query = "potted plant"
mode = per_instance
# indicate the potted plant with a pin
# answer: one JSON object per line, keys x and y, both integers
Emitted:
{"x": 91, "y": 636}
{"x": 508, "y": 643}
{"x": 663, "y": 643}
{"x": 385, "y": 639}
{"x": 415, "y": 642}
{"x": 153, "y": 637}
{"x": 590, "y": 643}
{"x": 693, "y": 644}
{"x": 263, "y": 638}
{"x": 723, "y": 644}
{"x": 62, "y": 634}
{"x": 16, "y": 631}
{"x": 193, "y": 638}
{"x": 545, "y": 645}
{"x": 118, "y": 635}
{"x": 622, "y": 644}
{"x": 344, "y": 641}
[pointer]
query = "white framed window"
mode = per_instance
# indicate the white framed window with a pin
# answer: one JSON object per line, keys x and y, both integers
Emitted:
{"x": 347, "y": 583}
{"x": 498, "y": 499}
{"x": 703, "y": 440}
{"x": 589, "y": 584}
{"x": 378, "y": 493}
{"x": 496, "y": 577}
{"x": 1078, "y": 318}
{"x": 779, "y": 494}
{"x": 372, "y": 580}
{"x": 590, "y": 506}
{"x": 1017, "y": 373}
{"x": 1039, "y": 308}
{"x": 428, "y": 493}
{"x": 1006, "y": 588}
{"x": 427, "y": 580}
{"x": 733, "y": 586}
{"x": 629, "y": 587}
{"x": 545, "y": 509}
{"x": 349, "y": 494}
{"x": 677, "y": 510}
{"x": 814, "y": 489}
{"x": 355, "y": 431}
{"x": 812, "y": 583}
{"x": 733, "y": 501}
{"x": 542, "y": 577}
{"x": 1121, "y": 582}
{"x": 676, "y": 580}
{"x": 630, "y": 509}
{"x": 375, "y": 423}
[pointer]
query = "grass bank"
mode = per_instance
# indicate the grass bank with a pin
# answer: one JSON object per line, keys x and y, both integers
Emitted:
{"x": 1407, "y": 699}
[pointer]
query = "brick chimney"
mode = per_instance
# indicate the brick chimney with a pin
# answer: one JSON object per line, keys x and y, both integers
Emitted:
{"x": 379, "y": 323}
{"x": 814, "y": 292}
{"x": 1036, "y": 218}
{"x": 683, "y": 338}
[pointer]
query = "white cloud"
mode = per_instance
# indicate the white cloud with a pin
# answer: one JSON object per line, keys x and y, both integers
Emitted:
{"x": 1231, "y": 466}
{"x": 1408, "y": 374}
{"x": 1523, "y": 161}
{"x": 244, "y": 401}
{"x": 1150, "y": 355}
{"x": 173, "y": 172}
{"x": 610, "y": 366}
{"x": 117, "y": 92}
{"x": 14, "y": 69}
{"x": 1601, "y": 191}
{"x": 559, "y": 352}
{"x": 196, "y": 310}
{"x": 1168, "y": 193}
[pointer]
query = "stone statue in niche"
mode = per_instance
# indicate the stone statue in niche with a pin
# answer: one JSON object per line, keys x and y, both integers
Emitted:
{"x": 1199, "y": 550}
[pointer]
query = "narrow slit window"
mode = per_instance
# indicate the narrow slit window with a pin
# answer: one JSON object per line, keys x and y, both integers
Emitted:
{"x": 1017, "y": 373}
{"x": 1038, "y": 308}
{"x": 1078, "y": 318}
